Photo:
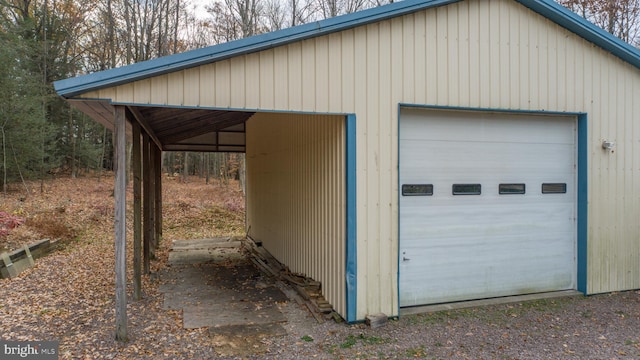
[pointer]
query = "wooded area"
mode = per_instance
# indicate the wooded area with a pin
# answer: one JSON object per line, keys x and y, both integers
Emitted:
{"x": 46, "y": 40}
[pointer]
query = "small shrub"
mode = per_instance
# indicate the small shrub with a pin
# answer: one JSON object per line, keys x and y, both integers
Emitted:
{"x": 417, "y": 352}
{"x": 52, "y": 227}
{"x": 307, "y": 338}
{"x": 9, "y": 222}
{"x": 351, "y": 340}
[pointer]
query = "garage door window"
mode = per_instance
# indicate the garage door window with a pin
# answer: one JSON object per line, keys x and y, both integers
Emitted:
{"x": 554, "y": 188}
{"x": 466, "y": 189}
{"x": 511, "y": 189}
{"x": 417, "y": 189}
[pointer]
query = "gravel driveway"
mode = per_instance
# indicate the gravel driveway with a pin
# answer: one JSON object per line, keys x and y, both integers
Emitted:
{"x": 67, "y": 298}
{"x": 596, "y": 327}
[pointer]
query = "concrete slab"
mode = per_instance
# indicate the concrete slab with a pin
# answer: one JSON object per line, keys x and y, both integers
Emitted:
{"x": 233, "y": 313}
{"x": 215, "y": 285}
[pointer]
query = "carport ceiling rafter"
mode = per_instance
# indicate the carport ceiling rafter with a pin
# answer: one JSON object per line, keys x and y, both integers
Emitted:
{"x": 173, "y": 127}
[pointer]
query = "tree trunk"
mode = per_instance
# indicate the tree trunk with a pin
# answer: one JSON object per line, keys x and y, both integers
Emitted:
{"x": 185, "y": 166}
{"x": 72, "y": 140}
{"x": 207, "y": 166}
{"x": 104, "y": 147}
{"x": 4, "y": 160}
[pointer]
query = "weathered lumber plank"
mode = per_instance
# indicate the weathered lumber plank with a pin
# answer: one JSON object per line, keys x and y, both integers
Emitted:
{"x": 120, "y": 139}
{"x": 146, "y": 206}
{"x": 137, "y": 211}
{"x": 376, "y": 320}
{"x": 158, "y": 195}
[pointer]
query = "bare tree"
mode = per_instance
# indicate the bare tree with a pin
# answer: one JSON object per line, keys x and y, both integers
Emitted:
{"x": 619, "y": 17}
{"x": 246, "y": 15}
{"x": 332, "y": 8}
{"x": 275, "y": 15}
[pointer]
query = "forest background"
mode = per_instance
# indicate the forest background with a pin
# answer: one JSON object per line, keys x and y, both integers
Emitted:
{"x": 42, "y": 41}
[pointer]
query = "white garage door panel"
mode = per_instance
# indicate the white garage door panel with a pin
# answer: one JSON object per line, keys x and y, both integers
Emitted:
{"x": 487, "y": 127}
{"x": 465, "y": 247}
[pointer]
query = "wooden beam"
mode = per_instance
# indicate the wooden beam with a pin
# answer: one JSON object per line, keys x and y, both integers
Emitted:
{"x": 151, "y": 174}
{"x": 137, "y": 211}
{"x": 120, "y": 149}
{"x": 145, "y": 125}
{"x": 158, "y": 194}
{"x": 145, "y": 202}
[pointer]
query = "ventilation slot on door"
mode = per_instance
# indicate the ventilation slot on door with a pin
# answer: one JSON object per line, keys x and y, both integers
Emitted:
{"x": 417, "y": 190}
{"x": 511, "y": 189}
{"x": 554, "y": 188}
{"x": 466, "y": 189}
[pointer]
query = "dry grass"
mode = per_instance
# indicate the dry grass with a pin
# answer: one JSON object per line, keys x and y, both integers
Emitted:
{"x": 68, "y": 295}
{"x": 82, "y": 210}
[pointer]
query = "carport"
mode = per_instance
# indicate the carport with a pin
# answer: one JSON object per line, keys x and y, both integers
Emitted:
{"x": 152, "y": 130}
{"x": 281, "y": 151}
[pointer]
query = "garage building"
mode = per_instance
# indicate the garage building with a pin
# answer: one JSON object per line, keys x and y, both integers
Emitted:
{"x": 421, "y": 152}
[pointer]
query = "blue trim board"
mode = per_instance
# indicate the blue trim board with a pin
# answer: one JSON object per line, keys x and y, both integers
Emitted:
{"x": 399, "y": 210}
{"x": 582, "y": 179}
{"x": 351, "y": 198}
{"x": 74, "y": 86}
{"x": 583, "y": 202}
{"x": 548, "y": 8}
{"x": 585, "y": 29}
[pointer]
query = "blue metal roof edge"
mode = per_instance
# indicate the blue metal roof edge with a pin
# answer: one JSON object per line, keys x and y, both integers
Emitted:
{"x": 585, "y": 29}
{"x": 548, "y": 8}
{"x": 74, "y": 86}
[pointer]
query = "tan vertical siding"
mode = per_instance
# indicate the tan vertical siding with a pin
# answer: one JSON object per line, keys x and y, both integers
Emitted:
{"x": 192, "y": 87}
{"x": 296, "y": 185}
{"x": 480, "y": 54}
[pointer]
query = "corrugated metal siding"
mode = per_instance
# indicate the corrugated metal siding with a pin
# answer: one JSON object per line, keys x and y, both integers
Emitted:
{"x": 480, "y": 54}
{"x": 296, "y": 195}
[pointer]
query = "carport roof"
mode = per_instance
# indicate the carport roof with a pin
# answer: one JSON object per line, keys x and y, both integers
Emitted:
{"x": 555, "y": 12}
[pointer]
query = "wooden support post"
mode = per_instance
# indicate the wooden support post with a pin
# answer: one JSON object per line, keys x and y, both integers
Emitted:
{"x": 153, "y": 242}
{"x": 158, "y": 194}
{"x": 137, "y": 212}
{"x": 145, "y": 204}
{"x": 120, "y": 149}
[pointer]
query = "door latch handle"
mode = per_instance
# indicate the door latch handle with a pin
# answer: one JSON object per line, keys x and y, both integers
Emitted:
{"x": 405, "y": 258}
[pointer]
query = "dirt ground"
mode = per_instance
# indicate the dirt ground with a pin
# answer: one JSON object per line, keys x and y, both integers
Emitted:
{"x": 69, "y": 297}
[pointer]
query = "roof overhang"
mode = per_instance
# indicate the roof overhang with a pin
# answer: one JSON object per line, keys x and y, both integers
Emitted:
{"x": 178, "y": 129}
{"x": 555, "y": 12}
{"x": 72, "y": 87}
{"x": 198, "y": 129}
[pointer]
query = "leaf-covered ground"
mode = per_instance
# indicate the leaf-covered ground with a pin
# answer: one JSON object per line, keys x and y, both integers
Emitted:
{"x": 69, "y": 295}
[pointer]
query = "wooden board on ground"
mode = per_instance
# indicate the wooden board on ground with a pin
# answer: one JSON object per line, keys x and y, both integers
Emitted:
{"x": 209, "y": 255}
{"x": 12, "y": 264}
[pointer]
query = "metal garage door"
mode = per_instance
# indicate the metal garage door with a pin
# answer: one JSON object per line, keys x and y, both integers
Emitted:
{"x": 487, "y": 205}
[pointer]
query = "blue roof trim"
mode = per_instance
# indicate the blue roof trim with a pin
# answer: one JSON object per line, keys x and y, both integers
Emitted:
{"x": 585, "y": 29}
{"x": 74, "y": 86}
{"x": 548, "y": 8}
